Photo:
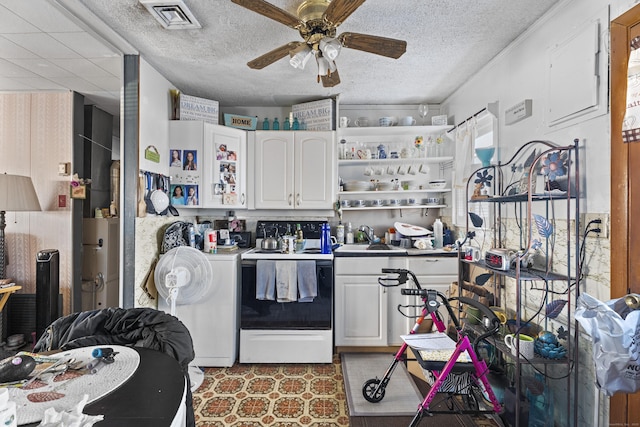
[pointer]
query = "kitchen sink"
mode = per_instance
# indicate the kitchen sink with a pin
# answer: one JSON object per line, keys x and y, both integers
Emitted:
{"x": 379, "y": 248}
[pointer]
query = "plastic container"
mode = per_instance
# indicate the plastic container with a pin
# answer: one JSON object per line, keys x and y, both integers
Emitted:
{"x": 210, "y": 241}
{"x": 340, "y": 233}
{"x": 437, "y": 234}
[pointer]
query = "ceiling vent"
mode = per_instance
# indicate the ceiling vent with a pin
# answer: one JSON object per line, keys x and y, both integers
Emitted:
{"x": 173, "y": 14}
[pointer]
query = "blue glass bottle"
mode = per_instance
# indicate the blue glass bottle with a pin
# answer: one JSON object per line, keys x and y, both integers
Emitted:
{"x": 265, "y": 124}
{"x": 276, "y": 124}
{"x": 296, "y": 124}
{"x": 287, "y": 124}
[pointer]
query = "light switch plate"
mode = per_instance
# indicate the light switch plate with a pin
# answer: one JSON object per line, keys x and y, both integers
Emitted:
{"x": 64, "y": 168}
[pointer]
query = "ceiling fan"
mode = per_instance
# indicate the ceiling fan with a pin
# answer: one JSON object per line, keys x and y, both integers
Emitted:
{"x": 317, "y": 21}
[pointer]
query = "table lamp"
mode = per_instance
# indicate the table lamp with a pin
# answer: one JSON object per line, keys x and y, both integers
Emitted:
{"x": 16, "y": 195}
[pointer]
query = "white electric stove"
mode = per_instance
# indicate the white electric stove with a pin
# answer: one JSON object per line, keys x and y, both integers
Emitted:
{"x": 287, "y": 332}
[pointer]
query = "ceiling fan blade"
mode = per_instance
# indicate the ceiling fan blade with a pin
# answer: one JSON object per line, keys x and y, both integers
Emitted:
{"x": 270, "y": 57}
{"x": 270, "y": 11}
{"x": 391, "y": 48}
{"x": 331, "y": 80}
{"x": 339, "y": 10}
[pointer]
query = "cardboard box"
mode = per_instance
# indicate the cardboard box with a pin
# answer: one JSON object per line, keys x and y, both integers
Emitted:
{"x": 316, "y": 115}
{"x": 194, "y": 108}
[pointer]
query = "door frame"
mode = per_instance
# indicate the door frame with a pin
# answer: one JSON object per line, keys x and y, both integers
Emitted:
{"x": 625, "y": 194}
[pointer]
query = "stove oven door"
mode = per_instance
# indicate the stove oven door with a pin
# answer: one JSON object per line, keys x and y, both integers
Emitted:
{"x": 261, "y": 314}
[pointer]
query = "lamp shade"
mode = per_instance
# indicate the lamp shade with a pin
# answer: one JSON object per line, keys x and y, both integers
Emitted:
{"x": 17, "y": 194}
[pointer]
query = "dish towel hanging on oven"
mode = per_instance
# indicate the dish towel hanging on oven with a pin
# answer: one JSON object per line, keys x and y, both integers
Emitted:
{"x": 307, "y": 281}
{"x": 286, "y": 281}
{"x": 265, "y": 279}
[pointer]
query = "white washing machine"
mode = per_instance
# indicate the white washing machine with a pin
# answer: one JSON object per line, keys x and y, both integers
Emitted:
{"x": 214, "y": 322}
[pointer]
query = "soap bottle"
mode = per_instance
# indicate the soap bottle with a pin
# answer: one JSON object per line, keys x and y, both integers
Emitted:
{"x": 349, "y": 238}
{"x": 299, "y": 239}
{"x": 265, "y": 124}
{"x": 276, "y": 124}
{"x": 437, "y": 234}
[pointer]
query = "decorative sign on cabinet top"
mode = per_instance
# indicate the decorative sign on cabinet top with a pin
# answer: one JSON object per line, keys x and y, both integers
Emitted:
{"x": 317, "y": 115}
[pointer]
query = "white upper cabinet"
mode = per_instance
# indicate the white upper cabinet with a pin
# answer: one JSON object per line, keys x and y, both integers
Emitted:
{"x": 220, "y": 155}
{"x": 294, "y": 170}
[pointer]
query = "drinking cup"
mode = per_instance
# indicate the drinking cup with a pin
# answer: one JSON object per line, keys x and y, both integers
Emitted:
{"x": 385, "y": 121}
{"x": 402, "y": 170}
{"x": 412, "y": 170}
{"x": 472, "y": 253}
{"x": 526, "y": 345}
{"x": 407, "y": 121}
{"x": 364, "y": 154}
{"x": 424, "y": 169}
{"x": 362, "y": 122}
{"x": 368, "y": 171}
{"x": 378, "y": 170}
{"x": 391, "y": 170}
{"x": 344, "y": 122}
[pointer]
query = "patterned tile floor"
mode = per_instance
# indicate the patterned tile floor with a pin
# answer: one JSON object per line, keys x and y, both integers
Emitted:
{"x": 272, "y": 396}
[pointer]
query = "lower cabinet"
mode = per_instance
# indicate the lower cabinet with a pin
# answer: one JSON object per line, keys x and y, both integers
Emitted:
{"x": 366, "y": 313}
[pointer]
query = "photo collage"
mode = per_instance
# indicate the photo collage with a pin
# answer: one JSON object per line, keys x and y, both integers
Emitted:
{"x": 226, "y": 185}
{"x": 184, "y": 194}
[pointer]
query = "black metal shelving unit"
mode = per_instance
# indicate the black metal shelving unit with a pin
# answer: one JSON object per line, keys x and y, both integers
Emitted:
{"x": 565, "y": 275}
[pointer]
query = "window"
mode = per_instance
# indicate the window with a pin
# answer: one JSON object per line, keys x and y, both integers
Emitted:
{"x": 479, "y": 131}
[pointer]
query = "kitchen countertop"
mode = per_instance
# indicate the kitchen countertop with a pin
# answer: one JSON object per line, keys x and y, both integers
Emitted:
{"x": 413, "y": 252}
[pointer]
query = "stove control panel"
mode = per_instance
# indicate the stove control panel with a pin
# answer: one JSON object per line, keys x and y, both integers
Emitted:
{"x": 310, "y": 229}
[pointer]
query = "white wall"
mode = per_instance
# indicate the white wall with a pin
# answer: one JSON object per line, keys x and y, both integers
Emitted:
{"x": 519, "y": 73}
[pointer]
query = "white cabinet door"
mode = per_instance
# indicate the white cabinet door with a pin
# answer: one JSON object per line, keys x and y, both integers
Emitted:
{"x": 361, "y": 311}
{"x": 218, "y": 178}
{"x": 273, "y": 181}
{"x": 315, "y": 170}
{"x": 294, "y": 170}
{"x": 225, "y": 184}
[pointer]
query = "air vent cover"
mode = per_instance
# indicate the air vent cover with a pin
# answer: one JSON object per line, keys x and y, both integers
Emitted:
{"x": 172, "y": 15}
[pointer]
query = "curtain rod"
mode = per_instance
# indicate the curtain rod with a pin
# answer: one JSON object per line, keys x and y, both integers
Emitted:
{"x": 464, "y": 121}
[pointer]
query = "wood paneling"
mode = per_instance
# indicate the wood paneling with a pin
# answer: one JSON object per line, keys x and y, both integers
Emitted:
{"x": 35, "y": 135}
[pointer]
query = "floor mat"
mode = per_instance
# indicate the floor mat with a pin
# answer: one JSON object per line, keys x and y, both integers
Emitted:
{"x": 402, "y": 397}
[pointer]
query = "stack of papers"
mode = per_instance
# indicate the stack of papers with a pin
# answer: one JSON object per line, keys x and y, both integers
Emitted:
{"x": 436, "y": 346}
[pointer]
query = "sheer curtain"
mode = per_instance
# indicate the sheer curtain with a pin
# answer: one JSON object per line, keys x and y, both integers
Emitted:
{"x": 481, "y": 130}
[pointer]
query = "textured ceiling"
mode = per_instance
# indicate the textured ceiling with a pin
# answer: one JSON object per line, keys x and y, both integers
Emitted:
{"x": 446, "y": 42}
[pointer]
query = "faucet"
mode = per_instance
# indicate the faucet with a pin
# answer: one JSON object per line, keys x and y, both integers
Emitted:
{"x": 368, "y": 232}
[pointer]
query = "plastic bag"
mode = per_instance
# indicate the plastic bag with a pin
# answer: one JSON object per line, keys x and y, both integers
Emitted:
{"x": 615, "y": 330}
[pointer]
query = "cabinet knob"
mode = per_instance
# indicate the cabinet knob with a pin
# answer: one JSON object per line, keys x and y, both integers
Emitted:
{"x": 242, "y": 199}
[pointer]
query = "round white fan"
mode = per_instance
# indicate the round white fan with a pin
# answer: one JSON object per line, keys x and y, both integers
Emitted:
{"x": 183, "y": 276}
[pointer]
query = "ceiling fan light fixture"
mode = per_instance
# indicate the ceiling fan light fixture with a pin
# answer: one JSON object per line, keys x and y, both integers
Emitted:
{"x": 323, "y": 65}
{"x": 330, "y": 48}
{"x": 300, "y": 56}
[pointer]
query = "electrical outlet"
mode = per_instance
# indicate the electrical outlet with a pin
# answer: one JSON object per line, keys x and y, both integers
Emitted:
{"x": 603, "y": 226}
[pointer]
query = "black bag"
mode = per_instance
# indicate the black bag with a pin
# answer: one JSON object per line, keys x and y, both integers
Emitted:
{"x": 176, "y": 234}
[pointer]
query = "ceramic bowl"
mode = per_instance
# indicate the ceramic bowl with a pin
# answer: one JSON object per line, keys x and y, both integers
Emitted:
{"x": 437, "y": 184}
